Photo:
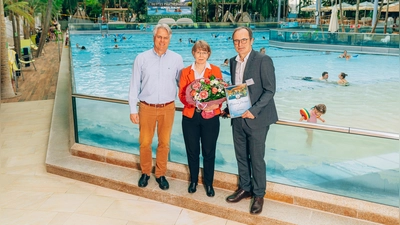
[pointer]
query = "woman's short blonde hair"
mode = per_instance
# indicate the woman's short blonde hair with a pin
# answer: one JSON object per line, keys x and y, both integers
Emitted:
{"x": 201, "y": 45}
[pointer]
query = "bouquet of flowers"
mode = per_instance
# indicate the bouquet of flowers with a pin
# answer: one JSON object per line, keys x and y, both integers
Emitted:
{"x": 206, "y": 92}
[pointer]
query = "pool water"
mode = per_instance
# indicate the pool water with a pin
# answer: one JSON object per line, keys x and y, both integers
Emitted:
{"x": 370, "y": 102}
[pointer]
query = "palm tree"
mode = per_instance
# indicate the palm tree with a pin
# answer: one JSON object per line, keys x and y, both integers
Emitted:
{"x": 377, "y": 18}
{"x": 357, "y": 15}
{"x": 46, "y": 23}
{"x": 6, "y": 88}
{"x": 386, "y": 18}
{"x": 16, "y": 10}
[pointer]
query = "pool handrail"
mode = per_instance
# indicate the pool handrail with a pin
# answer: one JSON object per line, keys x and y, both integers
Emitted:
{"x": 339, "y": 129}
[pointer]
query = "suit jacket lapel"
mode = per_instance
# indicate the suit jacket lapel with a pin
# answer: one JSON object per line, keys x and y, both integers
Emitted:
{"x": 233, "y": 71}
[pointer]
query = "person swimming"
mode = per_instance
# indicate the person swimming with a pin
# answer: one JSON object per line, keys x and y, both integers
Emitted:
{"x": 345, "y": 55}
{"x": 80, "y": 47}
{"x": 262, "y": 50}
{"x": 226, "y": 62}
{"x": 342, "y": 80}
{"x": 324, "y": 77}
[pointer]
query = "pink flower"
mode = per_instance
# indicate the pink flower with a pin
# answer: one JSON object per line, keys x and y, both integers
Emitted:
{"x": 196, "y": 86}
{"x": 214, "y": 90}
{"x": 203, "y": 94}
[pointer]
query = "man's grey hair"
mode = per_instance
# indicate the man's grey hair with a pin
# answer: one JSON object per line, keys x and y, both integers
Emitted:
{"x": 244, "y": 28}
{"x": 162, "y": 26}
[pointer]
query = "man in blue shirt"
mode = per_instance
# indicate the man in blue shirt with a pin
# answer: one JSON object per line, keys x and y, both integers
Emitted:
{"x": 154, "y": 85}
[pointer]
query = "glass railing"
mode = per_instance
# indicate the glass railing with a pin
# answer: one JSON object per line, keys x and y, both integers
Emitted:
{"x": 356, "y": 163}
{"x": 350, "y": 162}
{"x": 317, "y": 36}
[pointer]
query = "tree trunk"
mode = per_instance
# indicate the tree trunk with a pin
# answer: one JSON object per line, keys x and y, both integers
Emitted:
{"x": 386, "y": 18}
{"x": 223, "y": 9}
{"x": 45, "y": 30}
{"x": 341, "y": 15}
{"x": 27, "y": 29}
{"x": 6, "y": 88}
{"x": 17, "y": 43}
{"x": 18, "y": 35}
{"x": 357, "y": 15}
{"x": 377, "y": 18}
{"x": 216, "y": 12}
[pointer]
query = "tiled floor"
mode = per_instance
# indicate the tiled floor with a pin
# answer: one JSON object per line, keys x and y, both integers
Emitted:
{"x": 30, "y": 195}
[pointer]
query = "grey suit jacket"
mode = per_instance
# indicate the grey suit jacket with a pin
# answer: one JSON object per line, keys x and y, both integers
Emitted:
{"x": 261, "y": 69}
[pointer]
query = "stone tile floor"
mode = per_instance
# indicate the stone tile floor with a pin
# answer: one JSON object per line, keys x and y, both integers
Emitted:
{"x": 30, "y": 195}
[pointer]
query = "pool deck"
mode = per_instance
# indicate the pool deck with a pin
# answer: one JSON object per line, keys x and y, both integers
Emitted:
{"x": 40, "y": 84}
{"x": 113, "y": 170}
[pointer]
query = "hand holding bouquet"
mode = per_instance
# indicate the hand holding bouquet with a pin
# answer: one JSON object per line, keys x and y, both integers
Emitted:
{"x": 206, "y": 94}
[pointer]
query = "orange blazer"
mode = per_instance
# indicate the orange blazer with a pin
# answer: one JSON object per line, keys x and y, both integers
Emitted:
{"x": 187, "y": 77}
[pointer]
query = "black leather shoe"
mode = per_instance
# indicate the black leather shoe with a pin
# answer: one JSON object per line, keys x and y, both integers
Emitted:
{"x": 257, "y": 205}
{"x": 143, "y": 180}
{"x": 162, "y": 183}
{"x": 210, "y": 191}
{"x": 238, "y": 195}
{"x": 192, "y": 188}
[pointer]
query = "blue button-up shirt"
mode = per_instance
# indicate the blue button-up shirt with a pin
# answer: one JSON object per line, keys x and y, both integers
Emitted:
{"x": 154, "y": 78}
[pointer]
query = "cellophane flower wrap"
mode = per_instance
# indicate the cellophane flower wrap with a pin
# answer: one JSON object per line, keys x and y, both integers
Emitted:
{"x": 206, "y": 92}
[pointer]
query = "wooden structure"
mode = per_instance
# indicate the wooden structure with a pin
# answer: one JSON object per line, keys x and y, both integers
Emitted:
{"x": 115, "y": 14}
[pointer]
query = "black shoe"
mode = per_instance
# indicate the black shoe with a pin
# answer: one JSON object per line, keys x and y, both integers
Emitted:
{"x": 210, "y": 191}
{"x": 257, "y": 205}
{"x": 162, "y": 183}
{"x": 238, "y": 195}
{"x": 192, "y": 188}
{"x": 143, "y": 180}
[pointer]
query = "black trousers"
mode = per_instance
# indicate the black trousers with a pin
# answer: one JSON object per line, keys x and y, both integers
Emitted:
{"x": 196, "y": 131}
{"x": 250, "y": 151}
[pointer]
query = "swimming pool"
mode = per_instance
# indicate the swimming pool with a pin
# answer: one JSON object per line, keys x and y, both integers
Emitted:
{"x": 355, "y": 166}
{"x": 370, "y": 102}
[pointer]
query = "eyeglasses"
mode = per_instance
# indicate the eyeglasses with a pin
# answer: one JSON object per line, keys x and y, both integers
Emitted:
{"x": 201, "y": 53}
{"x": 242, "y": 41}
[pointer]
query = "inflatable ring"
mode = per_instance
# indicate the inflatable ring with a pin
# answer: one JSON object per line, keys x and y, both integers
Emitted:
{"x": 305, "y": 114}
{"x": 294, "y": 36}
{"x": 354, "y": 26}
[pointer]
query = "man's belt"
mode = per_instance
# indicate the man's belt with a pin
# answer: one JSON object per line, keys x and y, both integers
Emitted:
{"x": 157, "y": 105}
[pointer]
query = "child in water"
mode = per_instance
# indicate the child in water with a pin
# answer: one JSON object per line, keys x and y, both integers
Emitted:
{"x": 315, "y": 113}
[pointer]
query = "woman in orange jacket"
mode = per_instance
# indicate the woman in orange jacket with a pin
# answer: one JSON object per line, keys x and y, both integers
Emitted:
{"x": 197, "y": 129}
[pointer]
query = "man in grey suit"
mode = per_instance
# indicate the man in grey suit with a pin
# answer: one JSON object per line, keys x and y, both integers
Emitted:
{"x": 250, "y": 130}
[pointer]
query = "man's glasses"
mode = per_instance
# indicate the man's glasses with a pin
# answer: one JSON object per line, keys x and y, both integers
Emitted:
{"x": 242, "y": 41}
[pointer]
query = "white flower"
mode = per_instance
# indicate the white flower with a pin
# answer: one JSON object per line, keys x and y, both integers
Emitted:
{"x": 214, "y": 82}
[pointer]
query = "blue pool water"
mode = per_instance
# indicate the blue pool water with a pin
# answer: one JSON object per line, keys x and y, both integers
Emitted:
{"x": 374, "y": 79}
{"x": 355, "y": 166}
